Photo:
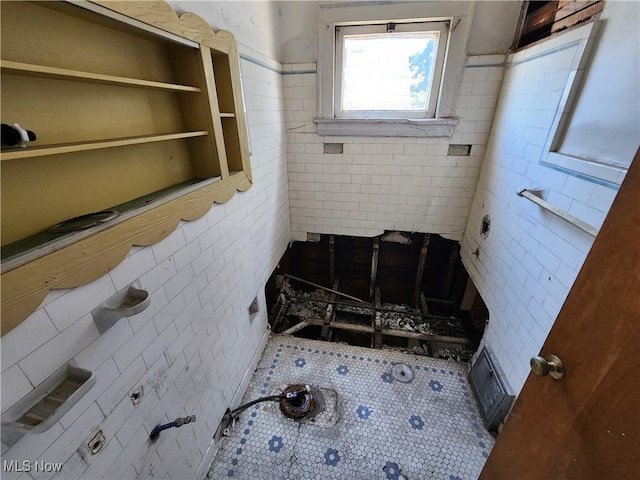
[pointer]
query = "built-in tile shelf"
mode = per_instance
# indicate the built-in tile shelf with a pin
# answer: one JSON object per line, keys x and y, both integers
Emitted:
{"x": 41, "y": 408}
{"x": 128, "y": 302}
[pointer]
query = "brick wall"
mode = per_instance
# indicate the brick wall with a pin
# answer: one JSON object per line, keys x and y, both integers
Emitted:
{"x": 190, "y": 350}
{"x": 531, "y": 258}
{"x": 386, "y": 183}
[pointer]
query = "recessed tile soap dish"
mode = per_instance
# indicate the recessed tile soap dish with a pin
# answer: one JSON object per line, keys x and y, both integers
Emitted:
{"x": 126, "y": 303}
{"x": 37, "y": 411}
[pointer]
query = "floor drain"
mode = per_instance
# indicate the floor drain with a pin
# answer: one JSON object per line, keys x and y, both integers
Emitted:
{"x": 299, "y": 406}
{"x": 403, "y": 373}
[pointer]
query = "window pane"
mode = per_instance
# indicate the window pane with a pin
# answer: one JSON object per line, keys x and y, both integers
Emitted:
{"x": 391, "y": 71}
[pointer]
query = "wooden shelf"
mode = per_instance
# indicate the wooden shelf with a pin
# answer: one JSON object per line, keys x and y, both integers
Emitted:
{"x": 96, "y": 145}
{"x": 109, "y": 138}
{"x": 27, "y": 69}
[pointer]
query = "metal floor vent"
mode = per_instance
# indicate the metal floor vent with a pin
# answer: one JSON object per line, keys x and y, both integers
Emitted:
{"x": 493, "y": 393}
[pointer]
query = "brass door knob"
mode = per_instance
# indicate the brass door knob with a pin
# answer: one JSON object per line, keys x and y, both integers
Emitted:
{"x": 552, "y": 365}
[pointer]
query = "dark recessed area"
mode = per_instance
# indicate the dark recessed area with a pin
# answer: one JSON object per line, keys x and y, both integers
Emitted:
{"x": 400, "y": 289}
{"x": 542, "y": 19}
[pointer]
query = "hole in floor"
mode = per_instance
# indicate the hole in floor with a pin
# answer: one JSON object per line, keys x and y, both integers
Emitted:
{"x": 299, "y": 406}
{"x": 413, "y": 295}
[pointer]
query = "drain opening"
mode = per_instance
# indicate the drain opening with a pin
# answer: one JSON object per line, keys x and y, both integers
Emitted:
{"x": 299, "y": 406}
{"x": 402, "y": 373}
{"x": 297, "y": 402}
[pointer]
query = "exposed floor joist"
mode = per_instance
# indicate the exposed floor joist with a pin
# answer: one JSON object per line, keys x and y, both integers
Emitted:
{"x": 399, "y": 289}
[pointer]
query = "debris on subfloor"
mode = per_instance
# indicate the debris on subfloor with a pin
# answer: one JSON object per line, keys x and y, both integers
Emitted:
{"x": 461, "y": 354}
{"x": 306, "y": 308}
{"x": 402, "y": 319}
{"x": 397, "y": 326}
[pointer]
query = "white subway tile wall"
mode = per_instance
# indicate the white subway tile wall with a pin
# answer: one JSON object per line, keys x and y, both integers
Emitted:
{"x": 385, "y": 183}
{"x": 189, "y": 350}
{"x": 195, "y": 346}
{"x": 530, "y": 259}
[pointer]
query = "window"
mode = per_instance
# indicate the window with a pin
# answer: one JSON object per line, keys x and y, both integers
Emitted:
{"x": 389, "y": 70}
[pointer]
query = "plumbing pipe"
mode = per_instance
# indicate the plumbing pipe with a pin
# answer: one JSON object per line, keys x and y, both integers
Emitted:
{"x": 297, "y": 279}
{"x": 231, "y": 414}
{"x": 178, "y": 422}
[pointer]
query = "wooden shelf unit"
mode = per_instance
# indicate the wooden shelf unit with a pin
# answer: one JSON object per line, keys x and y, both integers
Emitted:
{"x": 127, "y": 101}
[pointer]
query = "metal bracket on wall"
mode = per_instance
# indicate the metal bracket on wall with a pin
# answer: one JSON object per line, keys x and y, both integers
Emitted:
{"x": 566, "y": 216}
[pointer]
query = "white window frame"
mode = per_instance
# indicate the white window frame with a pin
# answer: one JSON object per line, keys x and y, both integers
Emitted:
{"x": 441, "y": 27}
{"x": 330, "y": 15}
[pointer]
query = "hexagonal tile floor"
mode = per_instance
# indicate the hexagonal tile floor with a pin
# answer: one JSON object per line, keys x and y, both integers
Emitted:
{"x": 429, "y": 428}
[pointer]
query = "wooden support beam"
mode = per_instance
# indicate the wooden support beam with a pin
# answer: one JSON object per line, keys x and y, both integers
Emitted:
{"x": 441, "y": 301}
{"x": 353, "y": 327}
{"x": 284, "y": 306}
{"x": 374, "y": 266}
{"x": 423, "y": 304}
{"x": 296, "y": 328}
{"x": 453, "y": 259}
{"x": 540, "y": 18}
{"x": 329, "y": 314}
{"x": 566, "y": 9}
{"x": 332, "y": 259}
{"x": 423, "y": 336}
{"x": 578, "y": 17}
{"x": 421, "y": 263}
{"x": 377, "y": 322}
{"x": 377, "y": 309}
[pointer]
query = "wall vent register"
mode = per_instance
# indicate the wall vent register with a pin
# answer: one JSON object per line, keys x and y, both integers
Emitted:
{"x": 493, "y": 394}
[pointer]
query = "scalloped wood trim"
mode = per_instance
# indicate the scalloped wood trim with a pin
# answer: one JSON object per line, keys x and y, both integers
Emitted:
{"x": 24, "y": 288}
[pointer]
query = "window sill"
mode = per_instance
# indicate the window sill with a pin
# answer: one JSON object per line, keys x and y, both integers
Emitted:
{"x": 398, "y": 127}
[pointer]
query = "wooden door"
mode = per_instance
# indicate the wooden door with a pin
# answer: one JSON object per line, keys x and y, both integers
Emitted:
{"x": 587, "y": 425}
